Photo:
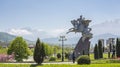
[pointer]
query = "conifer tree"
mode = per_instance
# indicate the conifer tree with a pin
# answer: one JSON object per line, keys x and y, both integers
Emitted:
{"x": 39, "y": 52}
{"x": 100, "y": 49}
{"x": 117, "y": 48}
{"x": 96, "y": 52}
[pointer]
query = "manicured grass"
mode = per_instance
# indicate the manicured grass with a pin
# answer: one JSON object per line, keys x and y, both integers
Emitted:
{"x": 60, "y": 65}
{"x": 94, "y": 63}
{"x": 105, "y": 55}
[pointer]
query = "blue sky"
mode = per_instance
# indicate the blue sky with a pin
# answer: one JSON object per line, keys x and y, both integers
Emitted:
{"x": 55, "y": 14}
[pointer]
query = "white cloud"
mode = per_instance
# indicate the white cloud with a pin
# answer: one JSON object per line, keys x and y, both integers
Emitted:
{"x": 112, "y": 27}
{"x": 33, "y": 34}
{"x": 56, "y": 32}
{"x": 19, "y": 32}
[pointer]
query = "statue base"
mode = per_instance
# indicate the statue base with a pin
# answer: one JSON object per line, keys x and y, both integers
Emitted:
{"x": 82, "y": 48}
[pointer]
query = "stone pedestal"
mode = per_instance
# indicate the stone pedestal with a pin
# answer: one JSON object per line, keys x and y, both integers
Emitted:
{"x": 82, "y": 48}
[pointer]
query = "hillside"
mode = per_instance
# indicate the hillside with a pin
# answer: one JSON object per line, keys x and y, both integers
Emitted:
{"x": 5, "y": 37}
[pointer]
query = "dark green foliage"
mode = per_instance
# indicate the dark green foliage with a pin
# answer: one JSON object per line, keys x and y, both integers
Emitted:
{"x": 110, "y": 47}
{"x": 39, "y": 52}
{"x": 84, "y": 59}
{"x": 100, "y": 49}
{"x": 113, "y": 52}
{"x": 108, "y": 54}
{"x": 103, "y": 48}
{"x": 96, "y": 52}
{"x": 117, "y": 48}
{"x": 52, "y": 59}
{"x": 20, "y": 49}
{"x": 83, "y": 52}
{"x": 58, "y": 55}
{"x": 66, "y": 55}
{"x": 43, "y": 50}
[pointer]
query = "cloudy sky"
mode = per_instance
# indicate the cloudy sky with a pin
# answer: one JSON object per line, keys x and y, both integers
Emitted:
{"x": 50, "y": 18}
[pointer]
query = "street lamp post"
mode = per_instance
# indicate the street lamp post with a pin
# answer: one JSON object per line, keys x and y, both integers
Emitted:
{"x": 62, "y": 38}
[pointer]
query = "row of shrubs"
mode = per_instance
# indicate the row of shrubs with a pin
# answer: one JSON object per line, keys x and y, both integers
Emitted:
{"x": 81, "y": 60}
{"x": 52, "y": 59}
{"x": 84, "y": 59}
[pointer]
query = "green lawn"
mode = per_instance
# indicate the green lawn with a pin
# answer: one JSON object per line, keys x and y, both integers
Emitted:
{"x": 60, "y": 65}
{"x": 94, "y": 63}
{"x": 105, "y": 56}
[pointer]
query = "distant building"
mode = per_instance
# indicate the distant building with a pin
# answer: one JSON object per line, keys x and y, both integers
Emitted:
{"x": 110, "y": 41}
{"x": 31, "y": 46}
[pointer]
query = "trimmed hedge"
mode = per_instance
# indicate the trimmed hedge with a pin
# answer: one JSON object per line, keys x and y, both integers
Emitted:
{"x": 52, "y": 59}
{"x": 58, "y": 55}
{"x": 84, "y": 59}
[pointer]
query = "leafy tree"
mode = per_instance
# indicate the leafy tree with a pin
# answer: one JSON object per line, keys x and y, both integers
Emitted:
{"x": 96, "y": 52}
{"x": 58, "y": 55}
{"x": 3, "y": 50}
{"x": 39, "y": 52}
{"x": 100, "y": 49}
{"x": 20, "y": 49}
{"x": 0, "y": 47}
{"x": 48, "y": 50}
{"x": 117, "y": 48}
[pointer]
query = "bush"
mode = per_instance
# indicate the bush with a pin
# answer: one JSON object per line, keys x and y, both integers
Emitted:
{"x": 52, "y": 59}
{"x": 58, "y": 55}
{"x": 66, "y": 55}
{"x": 84, "y": 59}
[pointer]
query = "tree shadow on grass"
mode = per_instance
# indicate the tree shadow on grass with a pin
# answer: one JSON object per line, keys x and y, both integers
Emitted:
{"x": 35, "y": 65}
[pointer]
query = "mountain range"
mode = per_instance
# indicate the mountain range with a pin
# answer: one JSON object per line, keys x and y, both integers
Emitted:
{"x": 105, "y": 30}
{"x": 6, "y": 37}
{"x": 74, "y": 40}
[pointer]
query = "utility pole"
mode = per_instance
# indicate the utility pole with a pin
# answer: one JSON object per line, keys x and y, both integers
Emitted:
{"x": 62, "y": 38}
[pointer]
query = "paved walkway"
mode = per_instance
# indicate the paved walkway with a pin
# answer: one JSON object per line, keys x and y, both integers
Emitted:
{"x": 44, "y": 63}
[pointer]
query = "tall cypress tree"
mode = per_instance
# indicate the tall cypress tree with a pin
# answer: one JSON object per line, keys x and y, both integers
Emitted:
{"x": 117, "y": 48}
{"x": 100, "y": 49}
{"x": 110, "y": 47}
{"x": 96, "y": 52}
{"x": 39, "y": 52}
